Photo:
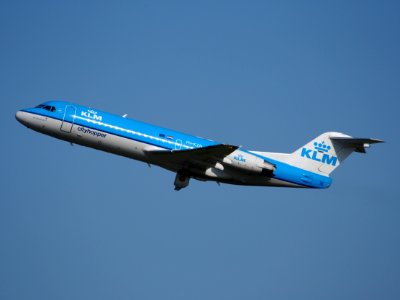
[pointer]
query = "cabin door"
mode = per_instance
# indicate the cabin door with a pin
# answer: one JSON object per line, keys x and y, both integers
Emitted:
{"x": 69, "y": 118}
{"x": 178, "y": 144}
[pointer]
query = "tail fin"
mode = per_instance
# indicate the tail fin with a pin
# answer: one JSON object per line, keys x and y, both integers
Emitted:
{"x": 325, "y": 153}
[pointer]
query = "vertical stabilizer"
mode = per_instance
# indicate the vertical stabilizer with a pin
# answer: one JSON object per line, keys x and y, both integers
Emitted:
{"x": 325, "y": 153}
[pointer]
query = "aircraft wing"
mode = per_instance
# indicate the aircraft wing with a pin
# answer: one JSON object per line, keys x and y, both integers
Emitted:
{"x": 198, "y": 157}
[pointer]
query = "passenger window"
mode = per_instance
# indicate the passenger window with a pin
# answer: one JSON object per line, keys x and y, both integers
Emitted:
{"x": 53, "y": 109}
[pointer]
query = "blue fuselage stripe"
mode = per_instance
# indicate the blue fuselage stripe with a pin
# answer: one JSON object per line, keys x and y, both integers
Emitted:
{"x": 149, "y": 135}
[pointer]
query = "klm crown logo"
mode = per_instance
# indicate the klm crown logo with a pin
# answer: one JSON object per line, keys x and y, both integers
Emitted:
{"x": 321, "y": 147}
{"x": 319, "y": 154}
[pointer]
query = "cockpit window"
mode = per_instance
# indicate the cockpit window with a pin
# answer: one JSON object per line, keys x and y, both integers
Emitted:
{"x": 46, "y": 107}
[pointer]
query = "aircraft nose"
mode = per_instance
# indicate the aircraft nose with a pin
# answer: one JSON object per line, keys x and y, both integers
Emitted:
{"x": 21, "y": 117}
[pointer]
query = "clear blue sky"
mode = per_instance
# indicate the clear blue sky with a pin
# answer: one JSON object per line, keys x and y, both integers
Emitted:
{"x": 76, "y": 223}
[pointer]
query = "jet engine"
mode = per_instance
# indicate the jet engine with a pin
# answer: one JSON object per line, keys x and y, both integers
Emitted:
{"x": 248, "y": 162}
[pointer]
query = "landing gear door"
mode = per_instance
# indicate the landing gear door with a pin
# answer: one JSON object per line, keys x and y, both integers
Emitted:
{"x": 68, "y": 119}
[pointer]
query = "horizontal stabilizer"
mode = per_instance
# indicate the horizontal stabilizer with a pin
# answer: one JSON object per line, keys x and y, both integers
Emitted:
{"x": 358, "y": 144}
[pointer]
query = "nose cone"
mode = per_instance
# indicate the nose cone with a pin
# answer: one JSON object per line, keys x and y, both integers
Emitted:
{"x": 21, "y": 117}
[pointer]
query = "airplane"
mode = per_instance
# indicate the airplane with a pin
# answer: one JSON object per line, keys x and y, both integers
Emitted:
{"x": 190, "y": 156}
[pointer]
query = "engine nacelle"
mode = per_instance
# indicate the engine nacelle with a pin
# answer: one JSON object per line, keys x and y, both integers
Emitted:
{"x": 248, "y": 162}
